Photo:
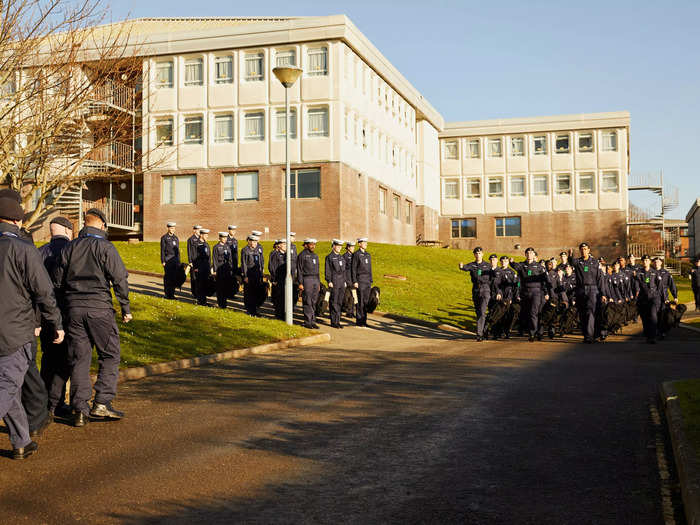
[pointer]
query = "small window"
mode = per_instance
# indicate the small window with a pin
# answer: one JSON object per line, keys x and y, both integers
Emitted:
{"x": 179, "y": 189}
{"x": 540, "y": 185}
{"x": 396, "y": 206}
{"x": 610, "y": 141}
{"x": 463, "y": 228}
{"x": 495, "y": 149}
{"x": 241, "y": 186}
{"x": 281, "y": 118}
{"x": 563, "y": 186}
{"x": 585, "y": 142}
{"x": 318, "y": 122}
{"x": 223, "y": 129}
{"x": 409, "y": 212}
{"x": 517, "y": 146}
{"x": 193, "y": 130}
{"x": 164, "y": 74}
{"x": 472, "y": 188}
{"x": 305, "y": 184}
{"x": 517, "y": 186}
{"x": 287, "y": 58}
{"x": 508, "y": 227}
{"x": 451, "y": 189}
{"x": 496, "y": 187}
{"x": 451, "y": 150}
{"x": 475, "y": 148}
{"x": 318, "y": 62}
{"x": 223, "y": 67}
{"x": 254, "y": 68}
{"x": 194, "y": 72}
{"x": 255, "y": 126}
{"x": 539, "y": 145}
{"x": 562, "y": 144}
{"x": 610, "y": 182}
{"x": 586, "y": 183}
{"x": 382, "y": 201}
{"x": 164, "y": 131}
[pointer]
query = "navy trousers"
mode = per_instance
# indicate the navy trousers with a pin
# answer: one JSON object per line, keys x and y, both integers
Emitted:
{"x": 648, "y": 311}
{"x": 481, "y": 298}
{"x": 363, "y": 290}
{"x": 13, "y": 368}
{"x": 532, "y": 301}
{"x": 587, "y": 303}
{"x": 309, "y": 297}
{"x": 335, "y": 305}
{"x": 55, "y": 369}
{"x": 34, "y": 395}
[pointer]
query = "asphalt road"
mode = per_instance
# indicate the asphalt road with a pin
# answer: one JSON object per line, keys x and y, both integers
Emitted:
{"x": 397, "y": 424}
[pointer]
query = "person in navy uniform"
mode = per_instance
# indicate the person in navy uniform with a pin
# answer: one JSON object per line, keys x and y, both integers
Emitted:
{"x": 252, "y": 264}
{"x": 482, "y": 275}
{"x": 647, "y": 290}
{"x": 293, "y": 255}
{"x": 534, "y": 291}
{"x": 309, "y": 281}
{"x": 505, "y": 289}
{"x": 202, "y": 267}
{"x": 170, "y": 259}
{"x": 336, "y": 278}
{"x": 222, "y": 266}
{"x": 589, "y": 289}
{"x": 89, "y": 266}
{"x": 347, "y": 257}
{"x": 667, "y": 285}
{"x": 361, "y": 275}
{"x": 563, "y": 261}
{"x": 694, "y": 277}
{"x": 277, "y": 266}
{"x": 233, "y": 246}
{"x": 193, "y": 243}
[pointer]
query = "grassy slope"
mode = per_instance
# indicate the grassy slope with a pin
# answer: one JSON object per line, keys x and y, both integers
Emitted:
{"x": 689, "y": 398}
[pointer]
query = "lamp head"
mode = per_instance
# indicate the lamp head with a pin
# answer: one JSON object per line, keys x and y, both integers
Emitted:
{"x": 287, "y": 75}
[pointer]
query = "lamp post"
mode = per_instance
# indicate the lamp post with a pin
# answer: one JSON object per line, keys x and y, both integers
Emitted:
{"x": 287, "y": 76}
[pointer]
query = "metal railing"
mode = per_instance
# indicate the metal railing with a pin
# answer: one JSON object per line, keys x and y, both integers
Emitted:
{"x": 113, "y": 93}
{"x": 115, "y": 155}
{"x": 119, "y": 213}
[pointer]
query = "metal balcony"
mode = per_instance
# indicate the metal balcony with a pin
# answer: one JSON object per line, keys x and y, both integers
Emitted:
{"x": 108, "y": 96}
{"x": 110, "y": 157}
{"x": 119, "y": 214}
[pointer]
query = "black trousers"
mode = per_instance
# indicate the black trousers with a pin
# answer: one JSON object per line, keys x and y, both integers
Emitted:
{"x": 532, "y": 301}
{"x": 251, "y": 292}
{"x": 363, "y": 290}
{"x": 309, "y": 297}
{"x": 169, "y": 270}
{"x": 55, "y": 369}
{"x": 648, "y": 311}
{"x": 335, "y": 304}
{"x": 587, "y": 303}
{"x": 35, "y": 398}
{"x": 278, "y": 300}
{"x": 481, "y": 300}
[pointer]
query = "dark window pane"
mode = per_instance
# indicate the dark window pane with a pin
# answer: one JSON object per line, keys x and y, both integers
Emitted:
{"x": 513, "y": 226}
{"x": 500, "y": 230}
{"x": 468, "y": 228}
{"x": 455, "y": 229}
{"x": 308, "y": 184}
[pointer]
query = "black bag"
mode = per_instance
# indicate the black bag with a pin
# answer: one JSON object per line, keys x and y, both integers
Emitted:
{"x": 321, "y": 302}
{"x": 373, "y": 300}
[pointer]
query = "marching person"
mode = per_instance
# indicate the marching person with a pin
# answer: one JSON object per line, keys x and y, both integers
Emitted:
{"x": 563, "y": 261}
{"x": 347, "y": 257}
{"x": 193, "y": 243}
{"x": 666, "y": 285}
{"x": 482, "y": 275}
{"x": 222, "y": 266}
{"x": 252, "y": 264}
{"x": 694, "y": 277}
{"x": 534, "y": 291}
{"x": 589, "y": 289}
{"x": 89, "y": 264}
{"x": 170, "y": 259}
{"x": 233, "y": 246}
{"x": 202, "y": 267}
{"x": 309, "y": 280}
{"x": 336, "y": 278}
{"x": 277, "y": 266}
{"x": 361, "y": 275}
{"x": 647, "y": 286}
{"x": 506, "y": 291}
{"x": 24, "y": 283}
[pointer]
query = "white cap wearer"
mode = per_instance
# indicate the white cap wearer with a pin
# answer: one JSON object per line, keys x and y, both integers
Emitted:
{"x": 338, "y": 242}
{"x": 282, "y": 240}
{"x": 197, "y": 227}
{"x": 171, "y": 224}
{"x": 204, "y": 230}
{"x": 232, "y": 226}
{"x": 256, "y": 232}
{"x": 223, "y": 234}
{"x": 350, "y": 243}
{"x": 362, "y": 239}
{"x": 292, "y": 234}
{"x": 252, "y": 237}
{"x": 310, "y": 240}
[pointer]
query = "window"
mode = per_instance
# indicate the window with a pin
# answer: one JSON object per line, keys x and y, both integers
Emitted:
{"x": 286, "y": 58}
{"x": 586, "y": 183}
{"x": 562, "y": 144}
{"x": 451, "y": 190}
{"x": 517, "y": 186}
{"x": 223, "y": 70}
{"x": 255, "y": 126}
{"x": 463, "y": 228}
{"x": 7, "y": 90}
{"x": 496, "y": 187}
{"x": 451, "y": 150}
{"x": 281, "y": 117}
{"x": 305, "y": 184}
{"x": 382, "y": 201}
{"x": 194, "y": 68}
{"x": 609, "y": 182}
{"x": 517, "y": 146}
{"x": 495, "y": 148}
{"x": 563, "y": 186}
{"x": 318, "y": 62}
{"x": 223, "y": 128}
{"x": 540, "y": 185}
{"x": 474, "y": 148}
{"x": 508, "y": 227}
{"x": 396, "y": 206}
{"x": 610, "y": 141}
{"x": 585, "y": 142}
{"x": 318, "y": 122}
{"x": 164, "y": 131}
{"x": 539, "y": 145}
{"x": 164, "y": 74}
{"x": 472, "y": 188}
{"x": 409, "y": 212}
{"x": 193, "y": 130}
{"x": 241, "y": 186}
{"x": 254, "y": 69}
{"x": 179, "y": 189}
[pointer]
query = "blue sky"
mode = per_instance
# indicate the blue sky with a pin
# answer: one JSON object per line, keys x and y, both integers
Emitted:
{"x": 474, "y": 61}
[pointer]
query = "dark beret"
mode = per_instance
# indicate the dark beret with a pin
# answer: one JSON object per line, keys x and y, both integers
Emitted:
{"x": 493, "y": 256}
{"x": 477, "y": 249}
{"x": 10, "y": 209}
{"x": 583, "y": 244}
{"x": 63, "y": 221}
{"x": 9, "y": 193}
{"x": 97, "y": 213}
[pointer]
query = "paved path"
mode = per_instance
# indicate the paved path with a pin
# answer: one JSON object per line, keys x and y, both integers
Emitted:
{"x": 396, "y": 423}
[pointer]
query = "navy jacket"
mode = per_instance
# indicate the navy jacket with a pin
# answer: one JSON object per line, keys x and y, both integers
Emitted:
{"x": 169, "y": 249}
{"x": 361, "y": 268}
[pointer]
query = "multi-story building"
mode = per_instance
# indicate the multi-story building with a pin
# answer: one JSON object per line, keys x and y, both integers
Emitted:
{"x": 693, "y": 232}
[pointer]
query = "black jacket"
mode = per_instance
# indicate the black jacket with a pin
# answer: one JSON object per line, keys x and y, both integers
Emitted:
{"x": 482, "y": 276}
{"x": 169, "y": 248}
{"x": 89, "y": 265}
{"x": 192, "y": 243}
{"x": 221, "y": 257}
{"x": 533, "y": 277}
{"x": 23, "y": 283}
{"x": 506, "y": 283}
{"x": 308, "y": 266}
{"x": 361, "y": 267}
{"x": 335, "y": 269}
{"x": 51, "y": 254}
{"x": 232, "y": 243}
{"x": 277, "y": 266}
{"x": 252, "y": 262}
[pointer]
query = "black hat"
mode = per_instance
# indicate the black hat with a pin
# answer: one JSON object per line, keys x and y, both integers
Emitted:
{"x": 505, "y": 257}
{"x": 493, "y": 256}
{"x": 563, "y": 253}
{"x": 9, "y": 193}
{"x": 477, "y": 249}
{"x": 583, "y": 244}
{"x": 10, "y": 209}
{"x": 530, "y": 249}
{"x": 97, "y": 213}
{"x": 645, "y": 256}
{"x": 62, "y": 221}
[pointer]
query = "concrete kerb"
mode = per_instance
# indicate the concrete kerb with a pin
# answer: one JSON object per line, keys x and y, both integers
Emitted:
{"x": 687, "y": 462}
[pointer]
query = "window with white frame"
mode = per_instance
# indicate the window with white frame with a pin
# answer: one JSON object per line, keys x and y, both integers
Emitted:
{"x": 540, "y": 185}
{"x": 474, "y": 148}
{"x": 539, "y": 145}
{"x": 193, "y": 130}
{"x": 463, "y": 228}
{"x": 563, "y": 184}
{"x": 223, "y": 70}
{"x": 610, "y": 182}
{"x": 318, "y": 61}
{"x": 164, "y": 74}
{"x": 254, "y": 124}
{"x": 223, "y": 129}
{"x": 254, "y": 67}
{"x": 561, "y": 144}
{"x": 472, "y": 188}
{"x": 451, "y": 150}
{"x": 164, "y": 131}
{"x": 409, "y": 212}
{"x": 517, "y": 186}
{"x": 382, "y": 201}
{"x": 305, "y": 184}
{"x": 517, "y": 146}
{"x": 241, "y": 186}
{"x": 495, "y": 148}
{"x": 585, "y": 142}
{"x": 281, "y": 121}
{"x": 317, "y": 122}
{"x": 194, "y": 72}
{"x": 179, "y": 189}
{"x": 609, "y": 140}
{"x": 586, "y": 183}
{"x": 495, "y": 186}
{"x": 7, "y": 90}
{"x": 508, "y": 227}
{"x": 451, "y": 189}
{"x": 286, "y": 58}
{"x": 396, "y": 206}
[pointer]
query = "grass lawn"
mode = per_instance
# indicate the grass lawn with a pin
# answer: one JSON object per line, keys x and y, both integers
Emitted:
{"x": 689, "y": 398}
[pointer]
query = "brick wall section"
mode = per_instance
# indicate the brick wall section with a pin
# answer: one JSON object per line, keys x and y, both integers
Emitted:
{"x": 427, "y": 223}
{"x": 548, "y": 233}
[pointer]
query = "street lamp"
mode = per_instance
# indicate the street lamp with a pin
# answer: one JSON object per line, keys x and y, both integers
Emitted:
{"x": 287, "y": 76}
